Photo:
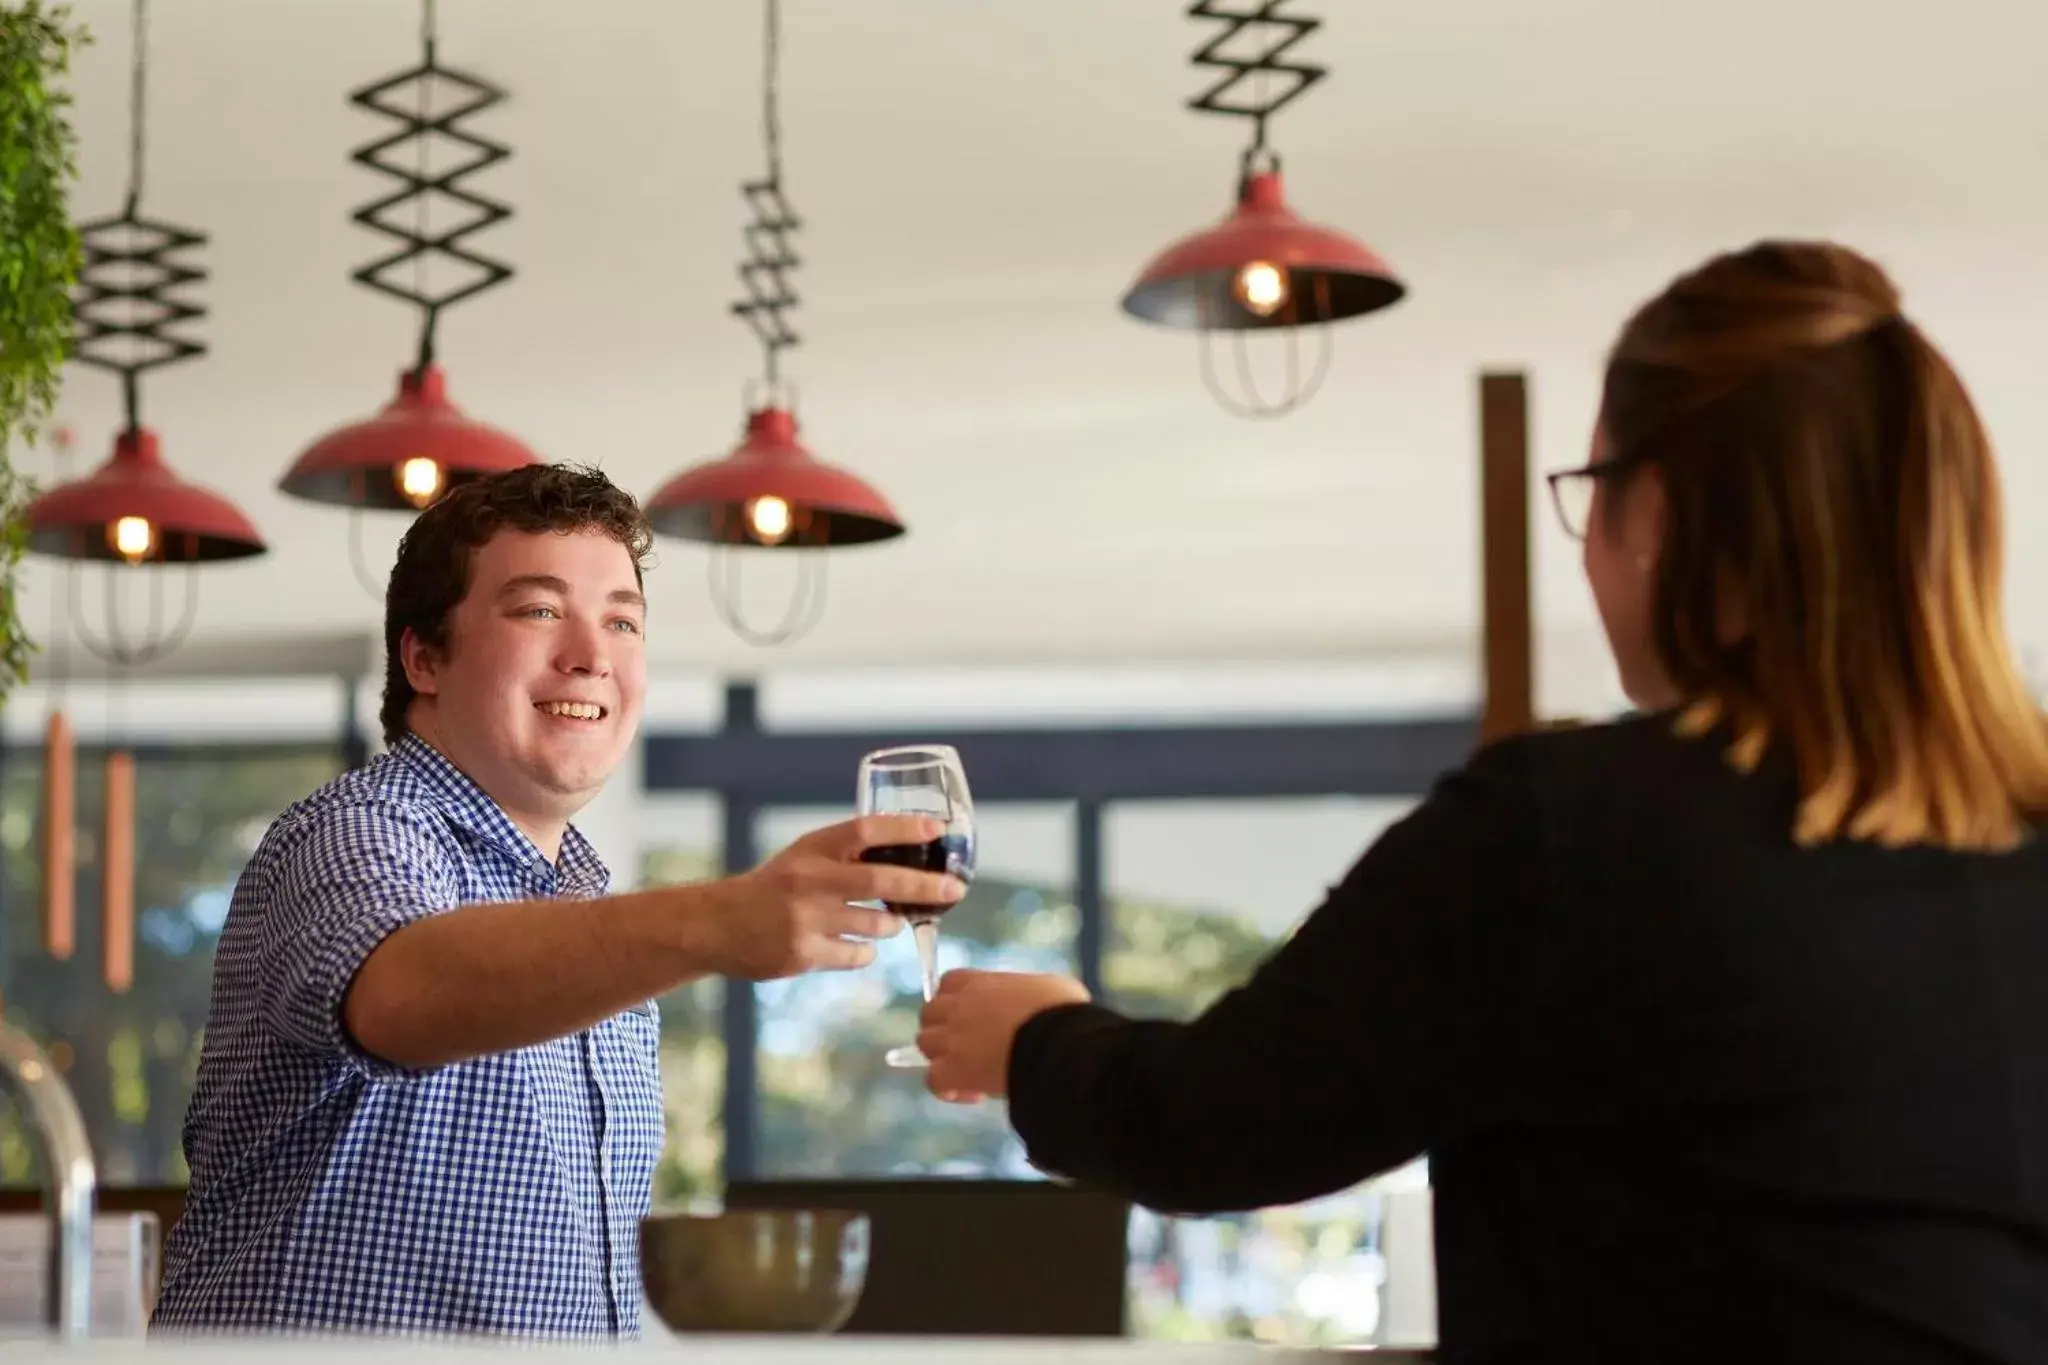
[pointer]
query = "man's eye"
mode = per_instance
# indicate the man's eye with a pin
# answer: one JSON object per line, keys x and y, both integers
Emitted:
{"x": 627, "y": 624}
{"x": 539, "y": 611}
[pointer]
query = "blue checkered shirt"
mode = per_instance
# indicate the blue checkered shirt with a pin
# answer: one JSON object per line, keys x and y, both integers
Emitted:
{"x": 334, "y": 1191}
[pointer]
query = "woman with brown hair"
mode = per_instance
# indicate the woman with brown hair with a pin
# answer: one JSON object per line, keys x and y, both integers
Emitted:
{"x": 1723, "y": 1025}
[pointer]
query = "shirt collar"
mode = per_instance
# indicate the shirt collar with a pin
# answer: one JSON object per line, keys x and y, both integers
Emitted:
{"x": 579, "y": 870}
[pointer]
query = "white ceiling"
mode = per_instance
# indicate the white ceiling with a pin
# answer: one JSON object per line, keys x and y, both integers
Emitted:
{"x": 978, "y": 183}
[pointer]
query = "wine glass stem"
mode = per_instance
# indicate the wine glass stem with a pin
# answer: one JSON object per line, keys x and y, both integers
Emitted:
{"x": 926, "y": 932}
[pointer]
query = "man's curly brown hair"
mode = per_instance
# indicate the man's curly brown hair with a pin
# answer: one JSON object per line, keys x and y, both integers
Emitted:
{"x": 432, "y": 573}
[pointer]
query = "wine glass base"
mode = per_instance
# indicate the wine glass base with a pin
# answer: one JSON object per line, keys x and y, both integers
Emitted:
{"x": 907, "y": 1058}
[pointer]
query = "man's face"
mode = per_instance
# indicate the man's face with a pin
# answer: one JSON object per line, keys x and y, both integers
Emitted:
{"x": 538, "y": 695}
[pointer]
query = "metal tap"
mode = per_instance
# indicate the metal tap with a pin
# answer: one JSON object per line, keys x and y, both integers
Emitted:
{"x": 60, "y": 1142}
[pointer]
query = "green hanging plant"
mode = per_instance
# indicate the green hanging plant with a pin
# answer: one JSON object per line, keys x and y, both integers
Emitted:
{"x": 39, "y": 263}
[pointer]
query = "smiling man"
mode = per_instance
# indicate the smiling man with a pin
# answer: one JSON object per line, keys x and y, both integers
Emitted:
{"x": 429, "y": 1098}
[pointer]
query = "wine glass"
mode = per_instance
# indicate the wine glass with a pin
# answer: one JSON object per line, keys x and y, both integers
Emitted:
{"x": 927, "y": 780}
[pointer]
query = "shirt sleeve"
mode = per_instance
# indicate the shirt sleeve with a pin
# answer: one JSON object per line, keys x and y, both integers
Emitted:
{"x": 1425, "y": 997}
{"x": 353, "y": 876}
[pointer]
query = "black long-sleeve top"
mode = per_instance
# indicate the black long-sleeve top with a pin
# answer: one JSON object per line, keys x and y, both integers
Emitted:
{"x": 1689, "y": 1091}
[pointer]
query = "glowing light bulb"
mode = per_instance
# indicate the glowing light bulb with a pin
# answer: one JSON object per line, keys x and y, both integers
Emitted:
{"x": 132, "y": 538}
{"x": 1261, "y": 286}
{"x": 419, "y": 479}
{"x": 769, "y": 517}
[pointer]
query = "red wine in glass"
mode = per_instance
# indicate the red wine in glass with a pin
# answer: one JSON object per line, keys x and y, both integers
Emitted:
{"x": 950, "y": 854}
{"x": 927, "y": 780}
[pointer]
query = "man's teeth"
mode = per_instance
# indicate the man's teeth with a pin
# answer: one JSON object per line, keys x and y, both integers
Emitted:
{"x": 575, "y": 710}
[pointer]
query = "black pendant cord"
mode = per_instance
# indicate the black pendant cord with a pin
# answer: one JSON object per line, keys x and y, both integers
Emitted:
{"x": 419, "y": 127}
{"x": 770, "y": 258}
{"x": 127, "y": 303}
{"x": 1254, "y": 88}
{"x": 138, "y": 91}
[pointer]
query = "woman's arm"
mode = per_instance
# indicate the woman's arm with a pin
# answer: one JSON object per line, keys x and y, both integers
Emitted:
{"x": 1430, "y": 993}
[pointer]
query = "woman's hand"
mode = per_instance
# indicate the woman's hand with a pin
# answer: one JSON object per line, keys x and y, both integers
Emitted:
{"x": 968, "y": 1027}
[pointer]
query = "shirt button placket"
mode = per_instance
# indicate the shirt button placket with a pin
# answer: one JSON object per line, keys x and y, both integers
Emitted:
{"x": 604, "y": 1174}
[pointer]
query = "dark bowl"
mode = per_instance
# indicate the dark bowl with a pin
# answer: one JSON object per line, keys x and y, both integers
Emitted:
{"x": 754, "y": 1270}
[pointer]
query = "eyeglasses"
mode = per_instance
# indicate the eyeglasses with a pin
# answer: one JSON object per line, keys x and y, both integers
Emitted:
{"x": 1571, "y": 493}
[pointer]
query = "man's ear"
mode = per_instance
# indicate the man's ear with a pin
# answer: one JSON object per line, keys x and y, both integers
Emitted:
{"x": 422, "y": 663}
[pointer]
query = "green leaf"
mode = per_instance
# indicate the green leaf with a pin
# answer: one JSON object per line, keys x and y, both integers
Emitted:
{"x": 39, "y": 262}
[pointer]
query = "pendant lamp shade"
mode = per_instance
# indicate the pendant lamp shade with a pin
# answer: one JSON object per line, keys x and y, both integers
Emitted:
{"x": 417, "y": 448}
{"x": 771, "y": 491}
{"x": 135, "y": 509}
{"x": 1262, "y": 266}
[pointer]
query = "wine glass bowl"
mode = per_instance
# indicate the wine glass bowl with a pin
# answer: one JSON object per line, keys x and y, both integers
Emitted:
{"x": 926, "y": 780}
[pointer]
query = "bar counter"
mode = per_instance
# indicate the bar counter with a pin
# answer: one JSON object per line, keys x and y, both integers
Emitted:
{"x": 696, "y": 1351}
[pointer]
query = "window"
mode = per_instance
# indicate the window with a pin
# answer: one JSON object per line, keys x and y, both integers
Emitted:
{"x": 1199, "y": 892}
{"x": 829, "y": 1105}
{"x": 130, "y": 1057}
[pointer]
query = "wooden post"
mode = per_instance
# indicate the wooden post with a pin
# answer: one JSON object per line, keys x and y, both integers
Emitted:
{"x": 60, "y": 814}
{"x": 117, "y": 873}
{"x": 1504, "y": 555}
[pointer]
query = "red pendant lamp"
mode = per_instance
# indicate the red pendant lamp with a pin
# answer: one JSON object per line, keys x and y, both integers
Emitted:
{"x": 134, "y": 510}
{"x": 770, "y": 493}
{"x": 407, "y": 455}
{"x": 1263, "y": 266}
{"x": 421, "y": 444}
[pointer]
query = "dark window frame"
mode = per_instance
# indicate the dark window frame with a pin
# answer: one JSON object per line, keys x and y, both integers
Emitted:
{"x": 750, "y": 768}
